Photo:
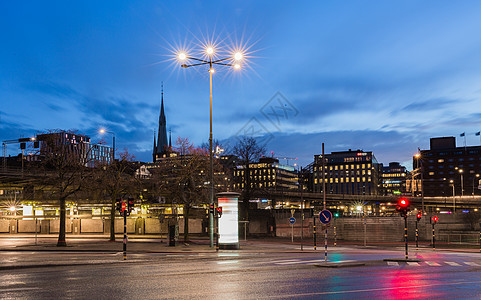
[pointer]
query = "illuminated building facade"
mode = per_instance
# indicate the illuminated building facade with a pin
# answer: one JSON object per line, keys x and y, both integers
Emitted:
{"x": 394, "y": 179}
{"x": 347, "y": 172}
{"x": 446, "y": 166}
{"x": 268, "y": 173}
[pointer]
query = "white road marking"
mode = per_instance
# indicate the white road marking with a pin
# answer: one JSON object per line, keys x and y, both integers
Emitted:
{"x": 433, "y": 264}
{"x": 392, "y": 263}
{"x": 310, "y": 261}
{"x": 452, "y": 263}
{"x": 284, "y": 260}
{"x": 470, "y": 263}
{"x": 413, "y": 263}
{"x": 18, "y": 289}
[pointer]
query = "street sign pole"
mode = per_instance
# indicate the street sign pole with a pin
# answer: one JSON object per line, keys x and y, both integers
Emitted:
{"x": 325, "y": 217}
{"x": 292, "y": 233}
{"x": 292, "y": 220}
{"x": 325, "y": 246}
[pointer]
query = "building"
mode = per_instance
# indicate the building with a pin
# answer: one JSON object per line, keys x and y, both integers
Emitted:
{"x": 74, "y": 145}
{"x": 394, "y": 179}
{"x": 268, "y": 173}
{"x": 447, "y": 169}
{"x": 348, "y": 172}
{"x": 161, "y": 147}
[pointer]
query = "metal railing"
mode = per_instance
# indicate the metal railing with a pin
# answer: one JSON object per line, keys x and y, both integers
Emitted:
{"x": 458, "y": 238}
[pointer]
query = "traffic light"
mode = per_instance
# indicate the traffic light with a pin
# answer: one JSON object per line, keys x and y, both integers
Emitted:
{"x": 219, "y": 211}
{"x": 130, "y": 204}
{"x": 336, "y": 215}
{"x": 211, "y": 208}
{"x": 419, "y": 215}
{"x": 403, "y": 206}
{"x": 435, "y": 220}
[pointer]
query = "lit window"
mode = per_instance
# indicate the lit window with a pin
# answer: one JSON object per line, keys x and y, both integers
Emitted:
{"x": 440, "y": 160}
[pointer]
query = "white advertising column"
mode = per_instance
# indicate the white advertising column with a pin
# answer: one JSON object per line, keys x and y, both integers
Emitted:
{"x": 228, "y": 223}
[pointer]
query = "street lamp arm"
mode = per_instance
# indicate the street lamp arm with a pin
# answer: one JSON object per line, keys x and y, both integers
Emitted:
{"x": 222, "y": 64}
{"x": 224, "y": 59}
{"x": 198, "y": 59}
{"x": 188, "y": 66}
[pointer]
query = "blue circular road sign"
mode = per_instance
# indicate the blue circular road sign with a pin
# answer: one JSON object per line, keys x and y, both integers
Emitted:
{"x": 292, "y": 220}
{"x": 325, "y": 216}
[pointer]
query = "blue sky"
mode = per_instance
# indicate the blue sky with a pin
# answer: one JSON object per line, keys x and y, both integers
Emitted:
{"x": 382, "y": 76}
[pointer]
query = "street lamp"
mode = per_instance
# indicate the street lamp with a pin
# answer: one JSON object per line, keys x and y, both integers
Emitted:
{"x": 451, "y": 182}
{"x": 210, "y": 60}
{"x": 419, "y": 161}
{"x": 113, "y": 141}
{"x": 462, "y": 183}
{"x": 476, "y": 176}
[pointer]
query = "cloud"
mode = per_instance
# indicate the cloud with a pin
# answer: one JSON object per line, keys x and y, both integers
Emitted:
{"x": 431, "y": 104}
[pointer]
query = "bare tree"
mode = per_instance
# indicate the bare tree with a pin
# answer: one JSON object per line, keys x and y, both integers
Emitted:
{"x": 247, "y": 151}
{"x": 65, "y": 166}
{"x": 116, "y": 179}
{"x": 184, "y": 178}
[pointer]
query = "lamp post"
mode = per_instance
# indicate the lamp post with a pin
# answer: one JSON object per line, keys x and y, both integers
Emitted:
{"x": 454, "y": 197}
{"x": 420, "y": 162}
{"x": 113, "y": 142}
{"x": 462, "y": 183}
{"x": 210, "y": 60}
{"x": 476, "y": 176}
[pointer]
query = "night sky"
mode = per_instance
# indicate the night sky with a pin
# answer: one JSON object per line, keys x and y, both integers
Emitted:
{"x": 382, "y": 76}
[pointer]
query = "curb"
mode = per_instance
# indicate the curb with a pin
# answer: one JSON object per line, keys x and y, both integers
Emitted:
{"x": 19, "y": 267}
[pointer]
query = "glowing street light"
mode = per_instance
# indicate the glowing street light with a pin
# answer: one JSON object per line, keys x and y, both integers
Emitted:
{"x": 210, "y": 61}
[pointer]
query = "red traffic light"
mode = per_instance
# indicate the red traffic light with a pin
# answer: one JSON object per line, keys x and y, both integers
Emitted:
{"x": 419, "y": 215}
{"x": 219, "y": 211}
{"x": 403, "y": 203}
{"x": 435, "y": 219}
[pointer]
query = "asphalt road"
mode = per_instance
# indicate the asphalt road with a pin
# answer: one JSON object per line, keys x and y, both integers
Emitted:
{"x": 237, "y": 275}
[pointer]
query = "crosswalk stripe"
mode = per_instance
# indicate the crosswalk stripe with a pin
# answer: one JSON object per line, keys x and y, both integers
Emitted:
{"x": 470, "y": 263}
{"x": 392, "y": 263}
{"x": 300, "y": 262}
{"x": 452, "y": 263}
{"x": 412, "y": 263}
{"x": 433, "y": 264}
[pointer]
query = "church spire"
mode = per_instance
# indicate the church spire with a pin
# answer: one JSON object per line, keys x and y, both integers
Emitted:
{"x": 162, "y": 133}
{"x": 170, "y": 138}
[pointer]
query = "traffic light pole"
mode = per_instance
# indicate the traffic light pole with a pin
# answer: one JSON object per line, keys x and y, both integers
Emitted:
{"x": 314, "y": 230}
{"x": 125, "y": 234}
{"x": 417, "y": 235}
{"x": 434, "y": 239}
{"x": 406, "y": 234}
